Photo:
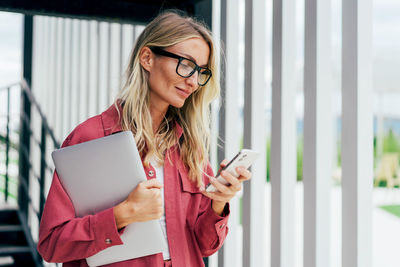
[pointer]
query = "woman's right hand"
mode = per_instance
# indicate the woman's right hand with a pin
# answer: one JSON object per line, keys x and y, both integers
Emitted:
{"x": 144, "y": 203}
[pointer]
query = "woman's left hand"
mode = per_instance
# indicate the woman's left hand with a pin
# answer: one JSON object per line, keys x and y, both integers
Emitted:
{"x": 226, "y": 192}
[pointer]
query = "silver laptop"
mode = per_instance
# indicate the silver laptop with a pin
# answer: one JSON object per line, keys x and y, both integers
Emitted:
{"x": 99, "y": 174}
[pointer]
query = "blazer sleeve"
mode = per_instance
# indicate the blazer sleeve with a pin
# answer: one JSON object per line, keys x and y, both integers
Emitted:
{"x": 62, "y": 236}
{"x": 211, "y": 229}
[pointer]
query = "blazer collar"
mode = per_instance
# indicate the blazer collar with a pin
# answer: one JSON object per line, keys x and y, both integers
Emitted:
{"x": 112, "y": 124}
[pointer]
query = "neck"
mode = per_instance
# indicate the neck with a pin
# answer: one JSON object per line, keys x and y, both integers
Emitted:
{"x": 157, "y": 115}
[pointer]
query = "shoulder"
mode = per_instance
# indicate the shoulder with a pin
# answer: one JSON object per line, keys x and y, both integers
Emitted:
{"x": 88, "y": 130}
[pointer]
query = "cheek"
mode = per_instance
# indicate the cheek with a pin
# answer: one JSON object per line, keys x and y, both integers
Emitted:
{"x": 163, "y": 75}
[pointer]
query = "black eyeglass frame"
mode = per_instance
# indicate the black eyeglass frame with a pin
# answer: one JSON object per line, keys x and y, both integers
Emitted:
{"x": 162, "y": 52}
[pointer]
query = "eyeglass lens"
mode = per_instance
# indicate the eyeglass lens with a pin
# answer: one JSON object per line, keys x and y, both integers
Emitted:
{"x": 186, "y": 69}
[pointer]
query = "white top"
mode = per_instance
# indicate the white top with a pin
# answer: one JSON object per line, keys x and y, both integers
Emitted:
{"x": 160, "y": 176}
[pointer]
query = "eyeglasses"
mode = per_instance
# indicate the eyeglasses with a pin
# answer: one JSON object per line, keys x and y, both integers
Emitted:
{"x": 186, "y": 67}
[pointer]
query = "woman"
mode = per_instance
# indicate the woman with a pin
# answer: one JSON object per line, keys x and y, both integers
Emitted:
{"x": 170, "y": 82}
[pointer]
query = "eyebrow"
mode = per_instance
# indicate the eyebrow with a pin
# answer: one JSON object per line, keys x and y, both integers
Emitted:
{"x": 191, "y": 58}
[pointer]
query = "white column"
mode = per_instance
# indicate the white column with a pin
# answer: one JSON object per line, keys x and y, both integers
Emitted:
{"x": 94, "y": 61}
{"x": 357, "y": 140}
{"x": 128, "y": 41}
{"x": 103, "y": 61}
{"x": 283, "y": 134}
{"x": 317, "y": 160}
{"x": 74, "y": 108}
{"x": 66, "y": 93}
{"x": 114, "y": 52}
{"x": 58, "y": 128}
{"x": 37, "y": 48}
{"x": 254, "y": 207}
{"x": 45, "y": 67}
{"x": 229, "y": 130}
{"x": 51, "y": 82}
{"x": 380, "y": 130}
{"x": 84, "y": 70}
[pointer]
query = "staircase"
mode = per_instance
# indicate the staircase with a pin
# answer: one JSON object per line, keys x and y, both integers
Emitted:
{"x": 16, "y": 246}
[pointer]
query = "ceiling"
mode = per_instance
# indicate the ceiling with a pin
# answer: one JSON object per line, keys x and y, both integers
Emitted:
{"x": 130, "y": 11}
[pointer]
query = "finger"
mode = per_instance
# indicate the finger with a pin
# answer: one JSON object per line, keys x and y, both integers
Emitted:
{"x": 156, "y": 192}
{"x": 235, "y": 183}
{"x": 223, "y": 163}
{"x": 152, "y": 183}
{"x": 245, "y": 174}
{"x": 220, "y": 187}
{"x": 218, "y": 196}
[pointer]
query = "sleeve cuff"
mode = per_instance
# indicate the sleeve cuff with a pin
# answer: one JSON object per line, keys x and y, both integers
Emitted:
{"x": 105, "y": 230}
{"x": 220, "y": 221}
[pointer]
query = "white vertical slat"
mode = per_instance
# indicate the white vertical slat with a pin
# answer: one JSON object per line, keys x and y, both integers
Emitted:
{"x": 36, "y": 55}
{"x": 229, "y": 254}
{"x": 44, "y": 80}
{"x": 66, "y": 78}
{"x": 103, "y": 75}
{"x": 283, "y": 134}
{"x": 215, "y": 105}
{"x": 58, "y": 74}
{"x": 49, "y": 66}
{"x": 84, "y": 70}
{"x": 128, "y": 41}
{"x": 138, "y": 30}
{"x": 357, "y": 140}
{"x": 51, "y": 59}
{"x": 114, "y": 53}
{"x": 214, "y": 140}
{"x": 254, "y": 207}
{"x": 317, "y": 134}
{"x": 35, "y": 126}
{"x": 75, "y": 70}
{"x": 379, "y": 126}
{"x": 93, "y": 54}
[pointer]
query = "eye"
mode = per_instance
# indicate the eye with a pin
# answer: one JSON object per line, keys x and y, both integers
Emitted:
{"x": 188, "y": 64}
{"x": 205, "y": 72}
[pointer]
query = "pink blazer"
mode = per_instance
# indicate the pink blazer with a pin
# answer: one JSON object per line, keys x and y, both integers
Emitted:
{"x": 194, "y": 230}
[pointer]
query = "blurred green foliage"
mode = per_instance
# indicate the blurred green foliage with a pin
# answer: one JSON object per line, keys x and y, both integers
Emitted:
{"x": 393, "y": 209}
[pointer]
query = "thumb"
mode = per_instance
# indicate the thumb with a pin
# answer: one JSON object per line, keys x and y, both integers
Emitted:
{"x": 223, "y": 163}
{"x": 152, "y": 183}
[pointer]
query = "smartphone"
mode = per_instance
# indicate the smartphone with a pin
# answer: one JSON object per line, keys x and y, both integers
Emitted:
{"x": 244, "y": 159}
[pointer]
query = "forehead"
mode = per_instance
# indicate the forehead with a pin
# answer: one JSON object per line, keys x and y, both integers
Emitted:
{"x": 195, "y": 48}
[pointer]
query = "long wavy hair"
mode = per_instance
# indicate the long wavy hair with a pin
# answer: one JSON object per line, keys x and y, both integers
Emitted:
{"x": 168, "y": 29}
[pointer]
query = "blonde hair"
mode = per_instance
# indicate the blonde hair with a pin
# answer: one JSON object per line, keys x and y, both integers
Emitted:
{"x": 167, "y": 29}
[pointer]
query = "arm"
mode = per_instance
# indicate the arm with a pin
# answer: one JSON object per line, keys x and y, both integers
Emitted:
{"x": 62, "y": 237}
{"x": 219, "y": 207}
{"x": 211, "y": 224}
{"x": 211, "y": 229}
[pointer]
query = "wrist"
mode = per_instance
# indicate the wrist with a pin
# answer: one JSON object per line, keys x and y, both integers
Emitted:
{"x": 218, "y": 206}
{"x": 120, "y": 214}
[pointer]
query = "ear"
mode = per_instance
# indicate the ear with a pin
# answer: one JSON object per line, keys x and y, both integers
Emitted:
{"x": 146, "y": 58}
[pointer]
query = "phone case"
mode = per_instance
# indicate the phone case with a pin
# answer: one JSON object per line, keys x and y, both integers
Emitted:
{"x": 244, "y": 158}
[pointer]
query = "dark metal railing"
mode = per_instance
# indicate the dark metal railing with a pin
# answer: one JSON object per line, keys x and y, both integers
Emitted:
{"x": 28, "y": 105}
{"x": 6, "y": 140}
{"x": 25, "y": 128}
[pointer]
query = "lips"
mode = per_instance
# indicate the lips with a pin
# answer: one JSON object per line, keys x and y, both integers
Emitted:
{"x": 183, "y": 92}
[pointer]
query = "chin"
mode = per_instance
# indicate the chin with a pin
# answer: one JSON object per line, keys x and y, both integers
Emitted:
{"x": 178, "y": 105}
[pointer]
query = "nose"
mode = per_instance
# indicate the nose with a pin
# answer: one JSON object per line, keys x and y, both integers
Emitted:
{"x": 192, "y": 80}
